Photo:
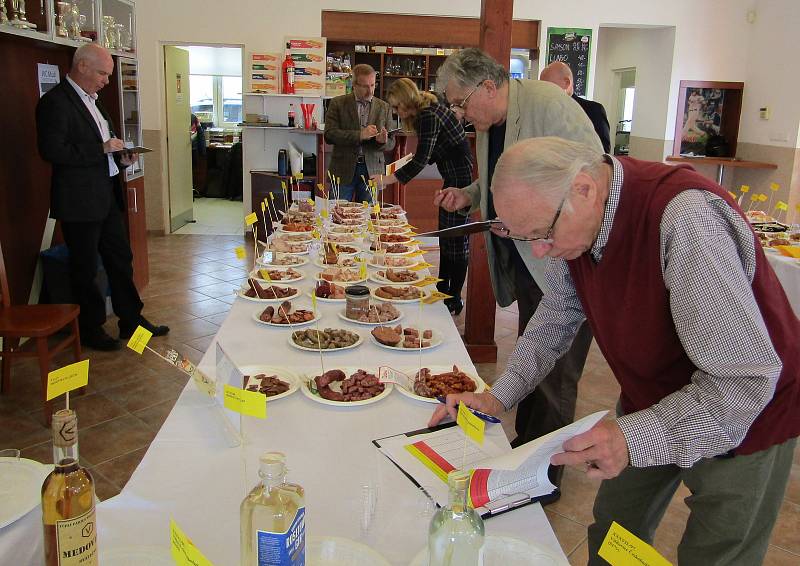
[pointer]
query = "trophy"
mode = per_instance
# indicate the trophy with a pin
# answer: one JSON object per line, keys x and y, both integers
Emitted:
{"x": 76, "y": 21}
{"x": 18, "y": 15}
{"x": 3, "y": 15}
{"x": 108, "y": 32}
{"x": 61, "y": 19}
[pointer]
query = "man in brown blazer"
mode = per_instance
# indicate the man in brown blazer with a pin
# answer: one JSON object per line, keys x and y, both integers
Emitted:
{"x": 356, "y": 126}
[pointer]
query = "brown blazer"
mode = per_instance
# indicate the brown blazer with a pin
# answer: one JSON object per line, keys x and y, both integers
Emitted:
{"x": 343, "y": 131}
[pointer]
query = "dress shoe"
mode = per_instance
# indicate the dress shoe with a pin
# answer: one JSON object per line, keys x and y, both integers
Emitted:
{"x": 126, "y": 330}
{"x": 99, "y": 340}
{"x": 454, "y": 305}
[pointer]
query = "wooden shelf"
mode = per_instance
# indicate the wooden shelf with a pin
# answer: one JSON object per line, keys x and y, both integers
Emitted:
{"x": 723, "y": 162}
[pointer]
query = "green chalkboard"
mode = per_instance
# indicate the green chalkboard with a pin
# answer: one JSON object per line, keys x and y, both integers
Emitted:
{"x": 572, "y": 46}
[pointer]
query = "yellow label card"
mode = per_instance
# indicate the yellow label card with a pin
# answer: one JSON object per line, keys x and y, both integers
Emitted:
{"x": 184, "y": 552}
{"x": 204, "y": 383}
{"x": 780, "y": 205}
{"x": 411, "y": 234}
{"x": 324, "y": 213}
{"x": 250, "y": 403}
{"x": 473, "y": 426}
{"x": 435, "y": 297}
{"x": 251, "y": 219}
{"x": 298, "y": 175}
{"x": 745, "y": 188}
{"x": 416, "y": 253}
{"x": 362, "y": 271}
{"x": 420, "y": 266}
{"x": 264, "y": 274}
{"x": 73, "y": 376}
{"x": 623, "y": 548}
{"x": 239, "y": 251}
{"x": 429, "y": 280}
{"x": 774, "y": 186}
{"x": 414, "y": 243}
{"x": 141, "y": 336}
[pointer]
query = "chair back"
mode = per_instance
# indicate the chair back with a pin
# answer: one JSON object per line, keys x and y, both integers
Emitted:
{"x": 5, "y": 299}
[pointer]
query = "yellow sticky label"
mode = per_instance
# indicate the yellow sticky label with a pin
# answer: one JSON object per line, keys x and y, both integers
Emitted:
{"x": 251, "y": 219}
{"x": 429, "y": 280}
{"x": 414, "y": 243}
{"x": 68, "y": 378}
{"x": 184, "y": 552}
{"x": 315, "y": 234}
{"x": 436, "y": 296}
{"x": 314, "y": 300}
{"x": 283, "y": 186}
{"x": 473, "y": 426}
{"x": 324, "y": 213}
{"x": 623, "y": 548}
{"x": 272, "y": 195}
{"x": 321, "y": 187}
{"x": 409, "y": 226}
{"x": 364, "y": 203}
{"x": 141, "y": 336}
{"x": 411, "y": 234}
{"x": 797, "y": 207}
{"x": 754, "y": 197}
{"x": 370, "y": 226}
{"x": 745, "y": 188}
{"x": 309, "y": 201}
{"x": 415, "y": 253}
{"x": 420, "y": 266}
{"x": 789, "y": 251}
{"x": 239, "y": 251}
{"x": 763, "y": 198}
{"x": 780, "y": 205}
{"x": 263, "y": 206}
{"x": 362, "y": 270}
{"x": 249, "y": 403}
{"x": 733, "y": 195}
{"x": 264, "y": 274}
{"x": 774, "y": 186}
{"x": 376, "y": 209}
{"x": 298, "y": 175}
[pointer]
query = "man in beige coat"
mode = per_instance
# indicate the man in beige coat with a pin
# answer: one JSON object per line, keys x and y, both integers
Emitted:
{"x": 356, "y": 126}
{"x": 503, "y": 112}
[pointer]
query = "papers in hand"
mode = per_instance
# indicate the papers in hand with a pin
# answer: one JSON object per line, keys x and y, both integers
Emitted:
{"x": 135, "y": 149}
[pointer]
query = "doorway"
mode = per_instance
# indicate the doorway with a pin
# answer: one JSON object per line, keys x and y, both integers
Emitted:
{"x": 625, "y": 89}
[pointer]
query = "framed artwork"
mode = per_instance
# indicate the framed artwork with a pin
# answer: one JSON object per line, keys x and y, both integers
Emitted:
{"x": 707, "y": 121}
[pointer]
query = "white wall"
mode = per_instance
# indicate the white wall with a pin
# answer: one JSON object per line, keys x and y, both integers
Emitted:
{"x": 203, "y": 60}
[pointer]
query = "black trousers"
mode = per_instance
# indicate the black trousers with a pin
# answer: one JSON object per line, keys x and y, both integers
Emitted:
{"x": 453, "y": 255}
{"x": 552, "y": 404}
{"x": 108, "y": 238}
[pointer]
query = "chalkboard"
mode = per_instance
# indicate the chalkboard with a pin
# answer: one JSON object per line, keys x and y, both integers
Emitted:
{"x": 572, "y": 46}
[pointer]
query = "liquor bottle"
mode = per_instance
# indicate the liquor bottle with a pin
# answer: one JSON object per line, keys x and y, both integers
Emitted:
{"x": 291, "y": 115}
{"x": 287, "y": 68}
{"x": 273, "y": 518}
{"x": 70, "y": 530}
{"x": 455, "y": 535}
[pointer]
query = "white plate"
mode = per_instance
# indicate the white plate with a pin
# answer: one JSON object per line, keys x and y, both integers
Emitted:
{"x": 135, "y": 556}
{"x": 304, "y": 252}
{"x": 291, "y": 237}
{"x": 300, "y": 261}
{"x": 20, "y": 488}
{"x": 413, "y": 261}
{"x": 356, "y": 344}
{"x": 411, "y": 372}
{"x": 411, "y": 249}
{"x": 346, "y": 229}
{"x": 257, "y": 276}
{"x": 336, "y": 551}
{"x": 318, "y": 316}
{"x": 318, "y": 263}
{"x": 283, "y": 374}
{"x": 345, "y": 239}
{"x": 374, "y": 296}
{"x": 508, "y": 551}
{"x": 241, "y": 295}
{"x": 383, "y": 281}
{"x": 347, "y": 254}
{"x": 308, "y": 378}
{"x": 327, "y": 300}
{"x": 283, "y": 230}
{"x": 436, "y": 340}
{"x": 340, "y": 282}
{"x": 343, "y": 317}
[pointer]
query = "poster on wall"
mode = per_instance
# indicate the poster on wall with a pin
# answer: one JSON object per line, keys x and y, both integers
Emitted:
{"x": 309, "y": 56}
{"x": 702, "y": 119}
{"x": 48, "y": 77}
{"x": 572, "y": 46}
{"x": 263, "y": 73}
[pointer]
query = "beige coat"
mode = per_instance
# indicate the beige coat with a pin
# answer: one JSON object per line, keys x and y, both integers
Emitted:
{"x": 343, "y": 131}
{"x": 535, "y": 109}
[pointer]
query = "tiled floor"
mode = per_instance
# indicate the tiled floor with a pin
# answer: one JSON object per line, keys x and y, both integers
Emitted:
{"x": 215, "y": 217}
{"x": 192, "y": 278}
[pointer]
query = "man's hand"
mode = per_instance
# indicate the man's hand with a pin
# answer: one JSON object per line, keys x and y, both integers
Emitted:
{"x": 484, "y": 402}
{"x": 369, "y": 132}
{"x": 127, "y": 158}
{"x": 601, "y": 451}
{"x": 499, "y": 229}
{"x": 387, "y": 179}
{"x": 382, "y": 136}
{"x": 452, "y": 199}
{"x": 113, "y": 145}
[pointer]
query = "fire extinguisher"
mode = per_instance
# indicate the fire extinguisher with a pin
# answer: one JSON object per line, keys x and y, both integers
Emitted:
{"x": 288, "y": 71}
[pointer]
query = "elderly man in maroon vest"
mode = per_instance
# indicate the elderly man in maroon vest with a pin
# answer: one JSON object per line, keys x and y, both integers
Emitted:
{"x": 694, "y": 324}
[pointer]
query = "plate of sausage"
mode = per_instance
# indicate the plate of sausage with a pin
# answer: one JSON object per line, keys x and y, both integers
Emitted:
{"x": 345, "y": 387}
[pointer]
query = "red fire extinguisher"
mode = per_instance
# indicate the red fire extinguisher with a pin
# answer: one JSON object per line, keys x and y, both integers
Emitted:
{"x": 288, "y": 71}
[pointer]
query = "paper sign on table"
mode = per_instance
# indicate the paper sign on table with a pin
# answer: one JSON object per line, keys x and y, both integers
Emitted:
{"x": 239, "y": 251}
{"x": 251, "y": 219}
{"x": 250, "y": 403}
{"x": 68, "y": 378}
{"x": 184, "y": 552}
{"x": 139, "y": 339}
{"x": 391, "y": 375}
{"x": 429, "y": 280}
{"x": 436, "y": 296}
{"x": 473, "y": 426}
{"x": 623, "y": 548}
{"x": 420, "y": 266}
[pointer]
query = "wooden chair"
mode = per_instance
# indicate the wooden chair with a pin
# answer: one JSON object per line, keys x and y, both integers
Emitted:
{"x": 37, "y": 322}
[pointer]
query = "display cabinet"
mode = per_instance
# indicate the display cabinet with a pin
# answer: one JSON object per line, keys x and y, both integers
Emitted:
{"x": 130, "y": 125}
{"x": 118, "y": 26}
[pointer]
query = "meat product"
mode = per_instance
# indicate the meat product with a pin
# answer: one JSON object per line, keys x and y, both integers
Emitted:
{"x": 269, "y": 385}
{"x": 386, "y": 335}
{"x": 427, "y": 384}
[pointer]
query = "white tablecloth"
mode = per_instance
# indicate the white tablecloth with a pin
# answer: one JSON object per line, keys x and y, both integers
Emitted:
{"x": 788, "y": 271}
{"x": 191, "y": 474}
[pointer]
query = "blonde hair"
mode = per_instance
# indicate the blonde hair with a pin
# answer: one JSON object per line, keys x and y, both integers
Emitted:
{"x": 404, "y": 91}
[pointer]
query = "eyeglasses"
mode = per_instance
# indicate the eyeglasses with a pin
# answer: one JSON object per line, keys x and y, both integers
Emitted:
{"x": 548, "y": 237}
{"x": 462, "y": 106}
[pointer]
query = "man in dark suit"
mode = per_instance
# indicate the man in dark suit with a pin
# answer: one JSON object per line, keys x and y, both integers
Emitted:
{"x": 560, "y": 74}
{"x": 76, "y": 136}
{"x": 356, "y": 126}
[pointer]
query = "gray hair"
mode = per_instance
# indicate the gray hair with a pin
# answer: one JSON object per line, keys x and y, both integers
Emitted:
{"x": 547, "y": 166}
{"x": 87, "y": 52}
{"x": 468, "y": 67}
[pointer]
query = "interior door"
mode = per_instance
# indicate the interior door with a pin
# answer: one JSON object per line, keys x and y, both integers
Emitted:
{"x": 179, "y": 145}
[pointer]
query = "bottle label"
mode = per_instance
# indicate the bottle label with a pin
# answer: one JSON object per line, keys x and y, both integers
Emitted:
{"x": 287, "y": 548}
{"x": 76, "y": 540}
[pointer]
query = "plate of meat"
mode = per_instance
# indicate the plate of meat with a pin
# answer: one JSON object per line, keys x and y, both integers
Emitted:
{"x": 274, "y": 382}
{"x": 394, "y": 249}
{"x": 285, "y": 315}
{"x": 347, "y": 275}
{"x": 266, "y": 294}
{"x": 328, "y": 292}
{"x": 274, "y": 259}
{"x": 397, "y": 294}
{"x": 345, "y": 387}
{"x": 406, "y": 339}
{"x": 390, "y": 276}
{"x": 392, "y": 261}
{"x": 434, "y": 381}
{"x": 296, "y": 227}
{"x": 327, "y": 340}
{"x": 286, "y": 247}
{"x": 379, "y": 313}
{"x": 271, "y": 275}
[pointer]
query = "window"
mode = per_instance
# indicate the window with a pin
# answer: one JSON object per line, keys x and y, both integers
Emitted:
{"x": 216, "y": 99}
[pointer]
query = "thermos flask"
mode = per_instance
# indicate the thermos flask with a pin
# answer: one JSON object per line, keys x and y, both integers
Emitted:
{"x": 283, "y": 163}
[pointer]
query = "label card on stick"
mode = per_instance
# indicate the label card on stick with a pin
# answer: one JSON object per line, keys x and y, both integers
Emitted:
{"x": 141, "y": 336}
{"x": 473, "y": 426}
{"x": 68, "y": 378}
{"x": 420, "y": 266}
{"x": 239, "y": 251}
{"x": 251, "y": 219}
{"x": 435, "y": 297}
{"x": 250, "y": 403}
{"x": 184, "y": 552}
{"x": 623, "y": 548}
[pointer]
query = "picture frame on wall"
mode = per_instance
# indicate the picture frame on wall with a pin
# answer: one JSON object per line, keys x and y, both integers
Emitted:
{"x": 707, "y": 122}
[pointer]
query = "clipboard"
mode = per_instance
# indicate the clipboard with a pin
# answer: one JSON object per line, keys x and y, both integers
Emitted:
{"x": 491, "y": 509}
{"x": 135, "y": 149}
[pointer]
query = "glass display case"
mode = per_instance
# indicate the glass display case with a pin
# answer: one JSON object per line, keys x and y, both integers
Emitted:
{"x": 24, "y": 17}
{"x": 119, "y": 26}
{"x": 129, "y": 104}
{"x": 75, "y": 20}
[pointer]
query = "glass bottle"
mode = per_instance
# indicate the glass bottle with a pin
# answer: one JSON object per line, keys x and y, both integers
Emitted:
{"x": 273, "y": 518}
{"x": 291, "y": 115}
{"x": 455, "y": 535}
{"x": 70, "y": 530}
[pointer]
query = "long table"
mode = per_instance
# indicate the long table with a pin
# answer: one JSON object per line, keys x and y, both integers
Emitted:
{"x": 788, "y": 271}
{"x": 192, "y": 474}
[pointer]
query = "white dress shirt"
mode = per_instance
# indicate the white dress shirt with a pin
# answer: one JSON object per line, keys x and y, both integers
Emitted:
{"x": 90, "y": 101}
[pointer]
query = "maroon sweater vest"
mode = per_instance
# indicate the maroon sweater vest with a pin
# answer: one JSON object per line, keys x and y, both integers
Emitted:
{"x": 627, "y": 305}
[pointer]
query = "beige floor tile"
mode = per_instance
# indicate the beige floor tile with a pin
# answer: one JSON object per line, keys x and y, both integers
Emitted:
{"x": 793, "y": 488}
{"x": 206, "y": 308}
{"x": 191, "y": 329}
{"x": 145, "y": 392}
{"x": 18, "y": 430}
{"x": 579, "y": 556}
{"x": 114, "y": 438}
{"x": 222, "y": 289}
{"x": 153, "y": 417}
{"x": 779, "y": 557}
{"x": 577, "y": 496}
{"x": 119, "y": 470}
{"x": 92, "y": 409}
{"x": 786, "y": 534}
{"x": 569, "y": 533}
{"x": 103, "y": 488}
{"x": 217, "y": 319}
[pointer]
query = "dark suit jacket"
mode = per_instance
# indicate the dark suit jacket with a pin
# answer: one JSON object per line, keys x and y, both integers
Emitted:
{"x": 68, "y": 138}
{"x": 343, "y": 131}
{"x": 597, "y": 114}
